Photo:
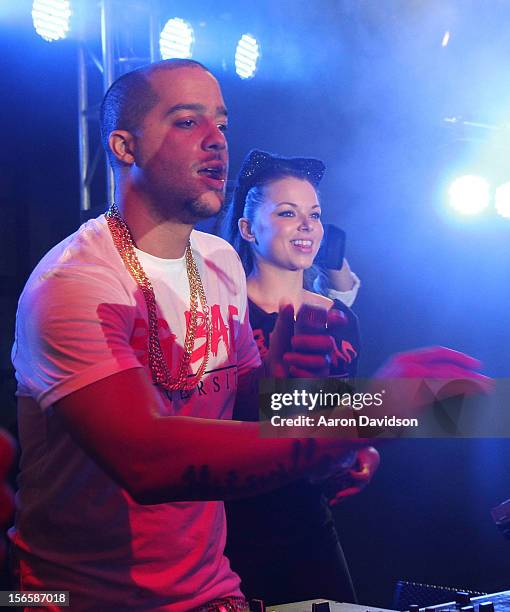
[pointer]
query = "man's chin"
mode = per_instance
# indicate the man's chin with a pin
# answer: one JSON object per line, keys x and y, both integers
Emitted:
{"x": 205, "y": 207}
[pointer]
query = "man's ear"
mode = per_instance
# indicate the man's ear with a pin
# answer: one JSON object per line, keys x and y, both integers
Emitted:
{"x": 122, "y": 145}
{"x": 246, "y": 231}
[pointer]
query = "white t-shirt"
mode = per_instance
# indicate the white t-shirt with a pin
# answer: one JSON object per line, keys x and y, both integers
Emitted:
{"x": 82, "y": 318}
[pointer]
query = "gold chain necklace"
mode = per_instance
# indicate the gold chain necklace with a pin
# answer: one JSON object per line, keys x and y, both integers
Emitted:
{"x": 125, "y": 246}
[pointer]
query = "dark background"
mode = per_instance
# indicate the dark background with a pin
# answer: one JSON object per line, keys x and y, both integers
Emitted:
{"x": 365, "y": 86}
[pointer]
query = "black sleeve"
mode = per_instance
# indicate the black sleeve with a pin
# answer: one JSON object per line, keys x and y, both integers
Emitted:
{"x": 348, "y": 344}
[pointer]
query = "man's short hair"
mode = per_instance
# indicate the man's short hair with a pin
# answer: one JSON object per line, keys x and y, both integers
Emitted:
{"x": 130, "y": 98}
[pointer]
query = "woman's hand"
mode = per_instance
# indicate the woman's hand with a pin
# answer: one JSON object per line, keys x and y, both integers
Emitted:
{"x": 308, "y": 352}
{"x": 343, "y": 279}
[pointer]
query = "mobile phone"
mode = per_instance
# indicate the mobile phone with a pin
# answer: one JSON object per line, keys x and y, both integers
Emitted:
{"x": 332, "y": 250}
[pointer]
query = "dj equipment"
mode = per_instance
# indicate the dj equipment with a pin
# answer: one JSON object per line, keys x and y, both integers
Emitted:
{"x": 419, "y": 595}
{"x": 494, "y": 602}
{"x": 313, "y": 605}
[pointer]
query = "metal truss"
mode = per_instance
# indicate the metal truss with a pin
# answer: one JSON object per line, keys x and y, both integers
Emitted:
{"x": 101, "y": 60}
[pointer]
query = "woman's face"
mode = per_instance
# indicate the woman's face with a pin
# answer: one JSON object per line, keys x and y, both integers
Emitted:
{"x": 287, "y": 226}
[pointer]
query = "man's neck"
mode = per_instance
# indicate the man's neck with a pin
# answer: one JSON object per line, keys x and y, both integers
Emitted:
{"x": 162, "y": 237}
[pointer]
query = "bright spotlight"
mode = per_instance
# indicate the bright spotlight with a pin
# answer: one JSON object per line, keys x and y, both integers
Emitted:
{"x": 502, "y": 200}
{"x": 247, "y": 55}
{"x": 176, "y": 39}
{"x": 51, "y": 18}
{"x": 469, "y": 194}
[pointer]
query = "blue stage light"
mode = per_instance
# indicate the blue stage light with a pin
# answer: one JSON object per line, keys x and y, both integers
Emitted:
{"x": 51, "y": 18}
{"x": 247, "y": 56}
{"x": 469, "y": 194}
{"x": 502, "y": 200}
{"x": 176, "y": 39}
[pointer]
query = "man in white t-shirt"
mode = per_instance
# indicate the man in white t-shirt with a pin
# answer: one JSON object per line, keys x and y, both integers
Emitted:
{"x": 131, "y": 348}
{"x": 118, "y": 485}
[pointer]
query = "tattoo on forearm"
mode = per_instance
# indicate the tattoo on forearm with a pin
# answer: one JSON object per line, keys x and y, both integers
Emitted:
{"x": 199, "y": 482}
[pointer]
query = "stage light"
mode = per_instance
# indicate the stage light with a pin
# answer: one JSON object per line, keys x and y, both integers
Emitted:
{"x": 502, "y": 200}
{"x": 469, "y": 194}
{"x": 176, "y": 39}
{"x": 51, "y": 18}
{"x": 247, "y": 56}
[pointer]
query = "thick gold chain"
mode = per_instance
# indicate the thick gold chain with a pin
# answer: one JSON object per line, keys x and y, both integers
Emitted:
{"x": 125, "y": 245}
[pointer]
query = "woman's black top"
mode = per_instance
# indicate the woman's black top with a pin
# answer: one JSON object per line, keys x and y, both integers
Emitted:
{"x": 284, "y": 544}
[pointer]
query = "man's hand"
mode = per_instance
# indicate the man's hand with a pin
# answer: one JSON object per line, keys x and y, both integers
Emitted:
{"x": 420, "y": 377}
{"x": 307, "y": 351}
{"x": 352, "y": 481}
